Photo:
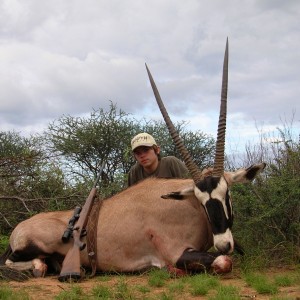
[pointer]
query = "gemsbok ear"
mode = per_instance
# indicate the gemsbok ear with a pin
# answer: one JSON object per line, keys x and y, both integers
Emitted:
{"x": 180, "y": 195}
{"x": 244, "y": 175}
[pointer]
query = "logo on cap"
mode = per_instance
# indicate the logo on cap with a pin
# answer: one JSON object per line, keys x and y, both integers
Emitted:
{"x": 142, "y": 139}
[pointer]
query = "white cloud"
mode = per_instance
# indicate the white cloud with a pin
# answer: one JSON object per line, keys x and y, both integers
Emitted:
{"x": 68, "y": 57}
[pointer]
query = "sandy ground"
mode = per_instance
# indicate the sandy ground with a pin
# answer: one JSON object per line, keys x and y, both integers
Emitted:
{"x": 49, "y": 287}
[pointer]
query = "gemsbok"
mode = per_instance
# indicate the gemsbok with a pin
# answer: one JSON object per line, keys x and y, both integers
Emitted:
{"x": 158, "y": 222}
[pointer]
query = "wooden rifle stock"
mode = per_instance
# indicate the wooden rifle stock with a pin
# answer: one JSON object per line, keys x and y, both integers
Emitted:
{"x": 71, "y": 264}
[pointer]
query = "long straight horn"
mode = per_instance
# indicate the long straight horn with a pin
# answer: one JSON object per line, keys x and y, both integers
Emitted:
{"x": 192, "y": 167}
{"x": 220, "y": 144}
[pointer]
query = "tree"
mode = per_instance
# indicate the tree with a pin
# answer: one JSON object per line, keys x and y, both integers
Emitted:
{"x": 30, "y": 181}
{"x": 84, "y": 143}
{"x": 18, "y": 161}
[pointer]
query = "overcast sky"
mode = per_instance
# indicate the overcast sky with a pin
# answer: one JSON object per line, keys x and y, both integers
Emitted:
{"x": 67, "y": 57}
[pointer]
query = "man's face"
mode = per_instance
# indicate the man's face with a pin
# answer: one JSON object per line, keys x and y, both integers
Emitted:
{"x": 146, "y": 156}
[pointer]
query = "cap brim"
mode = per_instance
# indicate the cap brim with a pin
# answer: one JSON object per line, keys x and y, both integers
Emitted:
{"x": 143, "y": 145}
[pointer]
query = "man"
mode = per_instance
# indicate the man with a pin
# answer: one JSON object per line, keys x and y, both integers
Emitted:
{"x": 150, "y": 164}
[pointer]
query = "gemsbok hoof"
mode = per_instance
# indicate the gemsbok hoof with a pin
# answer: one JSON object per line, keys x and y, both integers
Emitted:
{"x": 39, "y": 268}
{"x": 222, "y": 264}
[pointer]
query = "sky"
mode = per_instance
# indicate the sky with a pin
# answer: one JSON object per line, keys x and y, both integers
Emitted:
{"x": 64, "y": 57}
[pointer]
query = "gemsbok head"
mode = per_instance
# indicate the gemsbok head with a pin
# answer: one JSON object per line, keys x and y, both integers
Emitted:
{"x": 212, "y": 191}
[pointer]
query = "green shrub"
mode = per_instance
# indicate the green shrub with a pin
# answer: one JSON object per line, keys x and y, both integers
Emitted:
{"x": 4, "y": 241}
{"x": 267, "y": 211}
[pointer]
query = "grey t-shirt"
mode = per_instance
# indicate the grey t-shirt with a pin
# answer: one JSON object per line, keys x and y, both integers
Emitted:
{"x": 168, "y": 167}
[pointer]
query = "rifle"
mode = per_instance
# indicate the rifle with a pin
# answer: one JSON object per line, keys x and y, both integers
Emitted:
{"x": 71, "y": 264}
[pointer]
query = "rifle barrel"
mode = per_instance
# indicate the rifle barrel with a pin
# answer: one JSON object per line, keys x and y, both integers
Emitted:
{"x": 99, "y": 175}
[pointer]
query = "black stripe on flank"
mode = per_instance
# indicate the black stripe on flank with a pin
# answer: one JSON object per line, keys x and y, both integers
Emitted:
{"x": 30, "y": 252}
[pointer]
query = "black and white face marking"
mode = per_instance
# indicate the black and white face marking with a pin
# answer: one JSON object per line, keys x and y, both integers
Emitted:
{"x": 214, "y": 195}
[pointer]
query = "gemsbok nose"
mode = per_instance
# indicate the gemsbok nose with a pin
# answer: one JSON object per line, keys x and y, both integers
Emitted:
{"x": 228, "y": 248}
{"x": 224, "y": 242}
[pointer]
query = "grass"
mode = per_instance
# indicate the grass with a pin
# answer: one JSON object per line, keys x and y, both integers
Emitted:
{"x": 158, "y": 285}
{"x": 122, "y": 289}
{"x": 167, "y": 288}
{"x": 201, "y": 284}
{"x": 74, "y": 293}
{"x": 261, "y": 283}
{"x": 158, "y": 277}
{"x": 165, "y": 296}
{"x": 226, "y": 293}
{"x": 143, "y": 289}
{"x": 287, "y": 280}
{"x": 177, "y": 287}
{"x": 102, "y": 292}
{"x": 6, "y": 293}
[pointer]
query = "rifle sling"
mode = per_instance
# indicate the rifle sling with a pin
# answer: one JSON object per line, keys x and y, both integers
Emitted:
{"x": 91, "y": 239}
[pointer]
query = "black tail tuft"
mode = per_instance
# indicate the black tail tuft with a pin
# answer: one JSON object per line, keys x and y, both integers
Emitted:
{"x": 7, "y": 273}
{"x": 5, "y": 255}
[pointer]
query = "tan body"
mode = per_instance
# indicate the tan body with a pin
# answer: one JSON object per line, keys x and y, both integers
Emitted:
{"x": 137, "y": 229}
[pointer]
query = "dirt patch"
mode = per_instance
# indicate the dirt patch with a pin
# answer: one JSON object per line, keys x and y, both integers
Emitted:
{"x": 49, "y": 287}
